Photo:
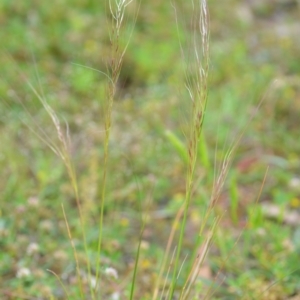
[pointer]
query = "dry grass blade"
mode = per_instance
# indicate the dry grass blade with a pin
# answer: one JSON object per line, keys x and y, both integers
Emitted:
{"x": 60, "y": 282}
{"x": 74, "y": 253}
{"x": 167, "y": 252}
{"x": 202, "y": 253}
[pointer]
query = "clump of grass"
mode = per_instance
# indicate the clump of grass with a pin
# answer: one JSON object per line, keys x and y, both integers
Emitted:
{"x": 179, "y": 271}
{"x": 197, "y": 87}
{"x": 61, "y": 147}
{"x": 196, "y": 62}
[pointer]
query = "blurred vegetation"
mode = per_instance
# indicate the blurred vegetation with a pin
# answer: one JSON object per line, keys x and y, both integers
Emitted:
{"x": 255, "y": 55}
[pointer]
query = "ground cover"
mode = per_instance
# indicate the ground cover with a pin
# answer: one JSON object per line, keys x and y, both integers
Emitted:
{"x": 254, "y": 55}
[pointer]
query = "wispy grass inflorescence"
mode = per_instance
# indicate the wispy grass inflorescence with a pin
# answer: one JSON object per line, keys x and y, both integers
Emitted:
{"x": 197, "y": 63}
{"x": 61, "y": 146}
{"x": 117, "y": 10}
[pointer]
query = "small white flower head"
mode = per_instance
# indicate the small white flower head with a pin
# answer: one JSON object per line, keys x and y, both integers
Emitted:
{"x": 111, "y": 273}
{"x": 60, "y": 255}
{"x": 32, "y": 248}
{"x": 21, "y": 209}
{"x": 33, "y": 201}
{"x": 115, "y": 296}
{"x": 261, "y": 231}
{"x": 93, "y": 282}
{"x": 46, "y": 225}
{"x": 295, "y": 183}
{"x": 23, "y": 273}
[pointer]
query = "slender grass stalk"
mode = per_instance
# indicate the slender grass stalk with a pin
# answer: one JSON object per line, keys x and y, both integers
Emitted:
{"x": 137, "y": 257}
{"x": 210, "y": 291}
{"x": 197, "y": 90}
{"x": 117, "y": 10}
{"x": 168, "y": 272}
{"x": 167, "y": 252}
{"x": 61, "y": 283}
{"x": 202, "y": 252}
{"x": 234, "y": 199}
{"x": 74, "y": 253}
{"x": 61, "y": 149}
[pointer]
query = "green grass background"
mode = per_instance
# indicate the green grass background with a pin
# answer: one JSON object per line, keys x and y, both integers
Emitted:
{"x": 253, "y": 43}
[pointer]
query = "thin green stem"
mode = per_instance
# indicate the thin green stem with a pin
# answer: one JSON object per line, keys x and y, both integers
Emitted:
{"x": 136, "y": 263}
{"x": 182, "y": 230}
{"x": 103, "y": 194}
